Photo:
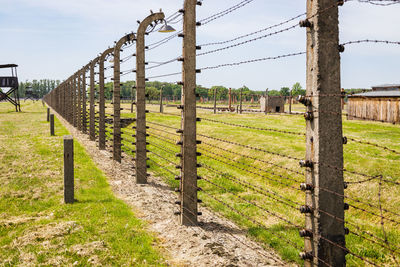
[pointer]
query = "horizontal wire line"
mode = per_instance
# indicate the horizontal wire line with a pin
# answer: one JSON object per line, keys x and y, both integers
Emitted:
{"x": 252, "y": 61}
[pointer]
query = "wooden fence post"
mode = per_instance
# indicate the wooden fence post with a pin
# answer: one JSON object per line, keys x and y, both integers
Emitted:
{"x": 161, "y": 99}
{"x": 215, "y": 100}
{"x": 68, "y": 169}
{"x": 241, "y": 99}
{"x": 48, "y": 114}
{"x": 141, "y": 150}
{"x": 266, "y": 104}
{"x": 230, "y": 100}
{"x": 132, "y": 98}
{"x": 290, "y": 102}
{"x": 324, "y": 210}
{"x": 52, "y": 124}
{"x": 188, "y": 186}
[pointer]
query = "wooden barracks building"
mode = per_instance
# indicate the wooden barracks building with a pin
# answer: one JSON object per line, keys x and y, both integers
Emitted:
{"x": 380, "y": 104}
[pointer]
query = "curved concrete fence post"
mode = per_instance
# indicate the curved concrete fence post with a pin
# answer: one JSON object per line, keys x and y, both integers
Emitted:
{"x": 92, "y": 133}
{"x": 117, "y": 96}
{"x": 141, "y": 157}
{"x": 102, "y": 109}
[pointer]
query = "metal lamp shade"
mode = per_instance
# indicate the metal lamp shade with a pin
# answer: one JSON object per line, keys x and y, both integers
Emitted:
{"x": 166, "y": 28}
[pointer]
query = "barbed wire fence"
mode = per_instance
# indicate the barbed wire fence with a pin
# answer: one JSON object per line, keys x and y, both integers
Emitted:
{"x": 311, "y": 206}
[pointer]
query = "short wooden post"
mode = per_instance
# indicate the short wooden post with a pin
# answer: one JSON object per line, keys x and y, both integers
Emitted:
{"x": 290, "y": 102}
{"x": 68, "y": 169}
{"x": 266, "y": 102}
{"x": 52, "y": 124}
{"x": 48, "y": 114}
{"x": 215, "y": 100}
{"x": 132, "y": 98}
{"x": 161, "y": 100}
{"x": 230, "y": 99}
{"x": 241, "y": 99}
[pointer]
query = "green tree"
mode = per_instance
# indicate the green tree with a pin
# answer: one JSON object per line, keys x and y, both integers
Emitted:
{"x": 274, "y": 93}
{"x": 285, "y": 91}
{"x": 297, "y": 89}
{"x": 153, "y": 93}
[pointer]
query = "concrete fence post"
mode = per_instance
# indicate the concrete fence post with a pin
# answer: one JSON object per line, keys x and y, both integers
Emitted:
{"x": 74, "y": 102}
{"x": 141, "y": 150}
{"x": 68, "y": 99}
{"x": 324, "y": 140}
{"x": 79, "y": 98}
{"x": 64, "y": 100}
{"x": 188, "y": 202}
{"x": 68, "y": 169}
{"x": 70, "y": 102}
{"x": 84, "y": 99}
{"x": 117, "y": 140}
{"x": 102, "y": 102}
{"x": 92, "y": 132}
{"x": 52, "y": 124}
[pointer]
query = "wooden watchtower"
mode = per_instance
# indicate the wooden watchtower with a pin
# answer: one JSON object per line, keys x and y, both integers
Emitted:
{"x": 10, "y": 82}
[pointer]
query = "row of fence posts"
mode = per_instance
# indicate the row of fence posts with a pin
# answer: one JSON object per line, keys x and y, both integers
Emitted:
{"x": 324, "y": 152}
{"x": 68, "y": 161}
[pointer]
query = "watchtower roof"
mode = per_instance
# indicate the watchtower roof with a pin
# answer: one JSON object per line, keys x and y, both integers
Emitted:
{"x": 8, "y": 66}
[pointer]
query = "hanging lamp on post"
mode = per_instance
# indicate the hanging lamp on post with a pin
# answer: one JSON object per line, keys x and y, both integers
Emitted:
{"x": 166, "y": 28}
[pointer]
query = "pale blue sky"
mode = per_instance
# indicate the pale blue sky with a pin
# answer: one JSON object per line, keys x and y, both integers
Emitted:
{"x": 53, "y": 38}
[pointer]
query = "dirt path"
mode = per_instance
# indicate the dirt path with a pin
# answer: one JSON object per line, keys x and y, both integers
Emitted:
{"x": 215, "y": 242}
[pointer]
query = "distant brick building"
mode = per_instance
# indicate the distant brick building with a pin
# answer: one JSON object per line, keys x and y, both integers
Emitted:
{"x": 276, "y": 104}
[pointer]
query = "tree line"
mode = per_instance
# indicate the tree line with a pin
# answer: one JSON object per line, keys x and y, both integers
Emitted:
{"x": 39, "y": 88}
{"x": 173, "y": 90}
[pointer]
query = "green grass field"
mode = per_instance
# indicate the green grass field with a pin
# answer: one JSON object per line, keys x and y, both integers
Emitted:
{"x": 224, "y": 164}
{"x": 31, "y": 195}
{"x": 36, "y": 228}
